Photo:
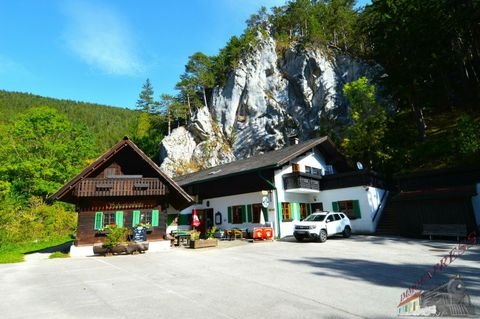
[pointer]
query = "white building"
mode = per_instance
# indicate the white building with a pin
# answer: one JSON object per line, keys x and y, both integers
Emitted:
{"x": 285, "y": 186}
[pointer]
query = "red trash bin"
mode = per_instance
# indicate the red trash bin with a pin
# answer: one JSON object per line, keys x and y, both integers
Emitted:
{"x": 257, "y": 233}
{"x": 267, "y": 233}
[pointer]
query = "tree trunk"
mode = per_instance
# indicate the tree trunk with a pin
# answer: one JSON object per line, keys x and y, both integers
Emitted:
{"x": 205, "y": 97}
{"x": 169, "y": 125}
{"x": 420, "y": 121}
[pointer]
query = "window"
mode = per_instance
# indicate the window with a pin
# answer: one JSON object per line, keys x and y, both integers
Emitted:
{"x": 337, "y": 217}
{"x": 317, "y": 207}
{"x": 303, "y": 210}
{"x": 351, "y": 208}
{"x": 286, "y": 212}
{"x": 110, "y": 171}
{"x": 308, "y": 169}
{"x": 109, "y": 219}
{"x": 145, "y": 217}
{"x": 237, "y": 214}
{"x": 330, "y": 218}
{"x": 328, "y": 169}
{"x": 256, "y": 211}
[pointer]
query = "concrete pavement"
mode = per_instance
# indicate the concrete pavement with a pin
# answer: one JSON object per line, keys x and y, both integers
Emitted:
{"x": 360, "y": 277}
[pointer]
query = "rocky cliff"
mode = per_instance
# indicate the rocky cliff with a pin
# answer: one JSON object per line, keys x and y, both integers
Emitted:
{"x": 266, "y": 98}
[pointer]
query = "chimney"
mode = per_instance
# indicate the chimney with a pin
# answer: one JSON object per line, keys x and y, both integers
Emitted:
{"x": 293, "y": 139}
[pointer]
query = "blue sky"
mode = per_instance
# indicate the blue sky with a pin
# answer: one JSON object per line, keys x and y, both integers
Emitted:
{"x": 103, "y": 51}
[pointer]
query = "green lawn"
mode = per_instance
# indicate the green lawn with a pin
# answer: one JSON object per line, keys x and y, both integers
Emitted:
{"x": 15, "y": 253}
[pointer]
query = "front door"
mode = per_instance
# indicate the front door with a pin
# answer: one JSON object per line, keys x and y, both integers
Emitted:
{"x": 206, "y": 220}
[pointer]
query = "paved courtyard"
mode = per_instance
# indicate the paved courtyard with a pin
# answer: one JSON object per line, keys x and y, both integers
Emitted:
{"x": 360, "y": 277}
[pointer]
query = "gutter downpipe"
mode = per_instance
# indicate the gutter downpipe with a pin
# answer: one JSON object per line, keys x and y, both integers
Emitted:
{"x": 276, "y": 202}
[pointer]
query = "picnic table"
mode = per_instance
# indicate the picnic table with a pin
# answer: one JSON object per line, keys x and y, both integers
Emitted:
{"x": 181, "y": 236}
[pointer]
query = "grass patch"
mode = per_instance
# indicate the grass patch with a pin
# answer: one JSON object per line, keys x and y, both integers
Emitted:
{"x": 14, "y": 253}
{"x": 58, "y": 254}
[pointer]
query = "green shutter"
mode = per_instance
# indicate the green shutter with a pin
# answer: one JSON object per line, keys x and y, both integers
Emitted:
{"x": 155, "y": 215}
{"x": 249, "y": 214}
{"x": 244, "y": 214}
{"x": 265, "y": 213}
{"x": 119, "y": 218}
{"x": 230, "y": 217}
{"x": 135, "y": 218}
{"x": 356, "y": 209}
{"x": 98, "y": 221}
{"x": 335, "y": 206}
{"x": 297, "y": 211}
{"x": 280, "y": 212}
{"x": 309, "y": 209}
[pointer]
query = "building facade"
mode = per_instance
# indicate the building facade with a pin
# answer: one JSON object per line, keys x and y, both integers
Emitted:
{"x": 122, "y": 187}
{"x": 283, "y": 187}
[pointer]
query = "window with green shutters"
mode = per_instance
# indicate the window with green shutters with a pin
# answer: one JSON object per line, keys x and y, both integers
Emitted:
{"x": 287, "y": 212}
{"x": 98, "y": 225}
{"x": 256, "y": 211}
{"x": 238, "y": 214}
{"x": 351, "y": 208}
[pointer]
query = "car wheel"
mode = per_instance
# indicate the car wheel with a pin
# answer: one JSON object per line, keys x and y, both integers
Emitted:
{"x": 299, "y": 238}
{"x": 347, "y": 232}
{"x": 322, "y": 236}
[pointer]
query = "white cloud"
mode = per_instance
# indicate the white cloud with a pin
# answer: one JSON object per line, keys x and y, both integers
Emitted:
{"x": 101, "y": 38}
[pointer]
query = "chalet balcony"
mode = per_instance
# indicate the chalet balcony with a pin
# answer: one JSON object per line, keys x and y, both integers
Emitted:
{"x": 353, "y": 179}
{"x": 105, "y": 187}
{"x": 302, "y": 183}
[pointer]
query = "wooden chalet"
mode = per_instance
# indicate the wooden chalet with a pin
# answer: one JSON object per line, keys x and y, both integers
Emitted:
{"x": 123, "y": 187}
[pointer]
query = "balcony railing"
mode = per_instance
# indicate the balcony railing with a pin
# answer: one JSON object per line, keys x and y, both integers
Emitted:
{"x": 103, "y": 187}
{"x": 352, "y": 179}
{"x": 298, "y": 180}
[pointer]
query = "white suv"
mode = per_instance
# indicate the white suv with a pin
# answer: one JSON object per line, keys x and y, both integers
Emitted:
{"x": 321, "y": 225}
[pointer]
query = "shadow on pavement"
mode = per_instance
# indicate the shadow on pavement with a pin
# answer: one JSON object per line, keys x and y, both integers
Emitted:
{"x": 396, "y": 275}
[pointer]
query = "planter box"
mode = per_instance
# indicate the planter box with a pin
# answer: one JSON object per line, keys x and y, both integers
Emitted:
{"x": 126, "y": 248}
{"x": 203, "y": 243}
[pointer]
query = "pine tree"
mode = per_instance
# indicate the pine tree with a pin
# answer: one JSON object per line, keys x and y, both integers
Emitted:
{"x": 145, "y": 100}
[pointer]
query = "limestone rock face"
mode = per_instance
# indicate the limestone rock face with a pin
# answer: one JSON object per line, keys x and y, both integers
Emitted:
{"x": 268, "y": 98}
{"x": 201, "y": 145}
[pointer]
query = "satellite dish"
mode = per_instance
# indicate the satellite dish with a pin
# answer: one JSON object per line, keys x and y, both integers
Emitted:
{"x": 359, "y": 166}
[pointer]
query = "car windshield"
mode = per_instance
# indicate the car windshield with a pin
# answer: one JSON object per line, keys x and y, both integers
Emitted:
{"x": 315, "y": 218}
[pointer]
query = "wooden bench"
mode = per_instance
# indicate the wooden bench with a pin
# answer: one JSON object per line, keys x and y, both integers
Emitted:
{"x": 454, "y": 230}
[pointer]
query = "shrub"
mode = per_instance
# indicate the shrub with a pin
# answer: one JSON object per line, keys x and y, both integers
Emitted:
{"x": 116, "y": 235}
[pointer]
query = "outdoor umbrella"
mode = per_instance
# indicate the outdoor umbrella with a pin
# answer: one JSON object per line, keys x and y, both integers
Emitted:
{"x": 195, "y": 220}
{"x": 262, "y": 218}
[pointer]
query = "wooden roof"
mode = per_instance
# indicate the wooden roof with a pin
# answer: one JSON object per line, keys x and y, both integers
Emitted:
{"x": 178, "y": 197}
{"x": 269, "y": 160}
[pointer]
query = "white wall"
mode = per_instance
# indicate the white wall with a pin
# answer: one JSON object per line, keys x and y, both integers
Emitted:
{"x": 369, "y": 199}
{"x": 221, "y": 204}
{"x": 476, "y": 206}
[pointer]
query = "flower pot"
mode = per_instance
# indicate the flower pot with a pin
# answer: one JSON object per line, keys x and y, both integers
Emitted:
{"x": 203, "y": 243}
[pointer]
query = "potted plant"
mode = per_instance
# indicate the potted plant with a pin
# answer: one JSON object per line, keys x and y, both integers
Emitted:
{"x": 210, "y": 241}
{"x": 116, "y": 242}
